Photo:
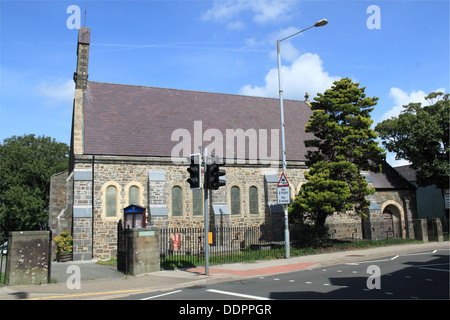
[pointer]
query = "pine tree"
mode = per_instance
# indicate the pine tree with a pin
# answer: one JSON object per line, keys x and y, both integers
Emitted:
{"x": 341, "y": 124}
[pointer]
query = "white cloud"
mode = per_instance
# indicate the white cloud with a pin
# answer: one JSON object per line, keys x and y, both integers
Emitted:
{"x": 270, "y": 10}
{"x": 305, "y": 74}
{"x": 402, "y": 98}
{"x": 262, "y": 11}
{"x": 57, "y": 92}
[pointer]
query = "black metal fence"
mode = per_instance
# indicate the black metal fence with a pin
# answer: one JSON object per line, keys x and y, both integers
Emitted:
{"x": 185, "y": 247}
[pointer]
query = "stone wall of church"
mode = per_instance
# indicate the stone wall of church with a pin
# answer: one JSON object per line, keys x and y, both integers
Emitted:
{"x": 95, "y": 230}
{"x": 82, "y": 211}
{"x": 156, "y": 182}
{"x": 402, "y": 201}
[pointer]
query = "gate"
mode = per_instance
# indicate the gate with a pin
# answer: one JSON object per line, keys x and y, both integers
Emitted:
{"x": 123, "y": 246}
{"x": 388, "y": 225}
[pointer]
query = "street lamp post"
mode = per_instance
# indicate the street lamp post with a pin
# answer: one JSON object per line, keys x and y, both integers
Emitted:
{"x": 283, "y": 147}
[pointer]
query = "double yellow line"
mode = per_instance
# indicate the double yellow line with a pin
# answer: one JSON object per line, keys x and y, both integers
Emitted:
{"x": 90, "y": 294}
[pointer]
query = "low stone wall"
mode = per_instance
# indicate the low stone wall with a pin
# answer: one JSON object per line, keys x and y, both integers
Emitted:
{"x": 428, "y": 229}
{"x": 29, "y": 255}
{"x": 139, "y": 251}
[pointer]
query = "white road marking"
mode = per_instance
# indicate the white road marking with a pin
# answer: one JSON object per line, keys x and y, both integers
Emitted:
{"x": 434, "y": 269}
{"x": 395, "y": 257}
{"x": 161, "y": 295}
{"x": 240, "y": 295}
{"x": 371, "y": 261}
{"x": 424, "y": 267}
{"x": 415, "y": 254}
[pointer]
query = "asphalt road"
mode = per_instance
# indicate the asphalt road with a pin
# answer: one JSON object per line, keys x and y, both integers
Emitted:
{"x": 420, "y": 275}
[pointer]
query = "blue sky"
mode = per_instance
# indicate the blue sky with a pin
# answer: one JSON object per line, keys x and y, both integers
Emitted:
{"x": 218, "y": 46}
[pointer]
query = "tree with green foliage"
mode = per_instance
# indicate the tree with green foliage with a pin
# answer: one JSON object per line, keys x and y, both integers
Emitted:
{"x": 341, "y": 124}
{"x": 26, "y": 165}
{"x": 420, "y": 134}
{"x": 331, "y": 187}
{"x": 344, "y": 145}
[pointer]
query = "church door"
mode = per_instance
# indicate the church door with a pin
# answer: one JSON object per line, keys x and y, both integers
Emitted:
{"x": 388, "y": 224}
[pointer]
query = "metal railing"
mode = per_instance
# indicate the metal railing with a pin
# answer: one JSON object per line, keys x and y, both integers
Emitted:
{"x": 185, "y": 247}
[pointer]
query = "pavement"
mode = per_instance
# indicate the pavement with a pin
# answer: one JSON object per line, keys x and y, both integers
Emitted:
{"x": 105, "y": 282}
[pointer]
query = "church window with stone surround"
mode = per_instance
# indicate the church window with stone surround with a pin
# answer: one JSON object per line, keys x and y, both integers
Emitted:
{"x": 235, "y": 197}
{"x": 197, "y": 202}
{"x": 133, "y": 195}
{"x": 253, "y": 200}
{"x": 111, "y": 201}
{"x": 177, "y": 201}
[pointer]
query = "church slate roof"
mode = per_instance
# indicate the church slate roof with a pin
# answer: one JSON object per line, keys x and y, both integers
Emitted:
{"x": 407, "y": 172}
{"x": 127, "y": 120}
{"x": 132, "y": 120}
{"x": 389, "y": 178}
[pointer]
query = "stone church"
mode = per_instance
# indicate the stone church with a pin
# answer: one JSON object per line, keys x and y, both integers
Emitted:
{"x": 128, "y": 147}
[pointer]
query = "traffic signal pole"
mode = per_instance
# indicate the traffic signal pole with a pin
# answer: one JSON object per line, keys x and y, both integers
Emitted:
{"x": 211, "y": 180}
{"x": 206, "y": 209}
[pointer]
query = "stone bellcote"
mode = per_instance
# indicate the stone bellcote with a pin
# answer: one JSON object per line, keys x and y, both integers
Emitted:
{"x": 81, "y": 75}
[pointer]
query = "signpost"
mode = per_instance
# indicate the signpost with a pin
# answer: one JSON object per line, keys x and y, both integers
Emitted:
{"x": 283, "y": 191}
{"x": 284, "y": 198}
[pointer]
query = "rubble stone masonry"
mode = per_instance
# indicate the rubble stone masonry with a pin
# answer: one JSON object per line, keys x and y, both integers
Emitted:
{"x": 95, "y": 232}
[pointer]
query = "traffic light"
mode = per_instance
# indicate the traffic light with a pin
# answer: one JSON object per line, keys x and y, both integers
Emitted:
{"x": 195, "y": 171}
{"x": 213, "y": 177}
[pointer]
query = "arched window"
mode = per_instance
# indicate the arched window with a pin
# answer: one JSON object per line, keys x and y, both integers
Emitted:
{"x": 177, "y": 201}
{"x": 111, "y": 201}
{"x": 253, "y": 199}
{"x": 235, "y": 197}
{"x": 133, "y": 195}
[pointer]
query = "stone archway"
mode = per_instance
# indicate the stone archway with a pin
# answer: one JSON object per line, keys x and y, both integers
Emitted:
{"x": 393, "y": 219}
